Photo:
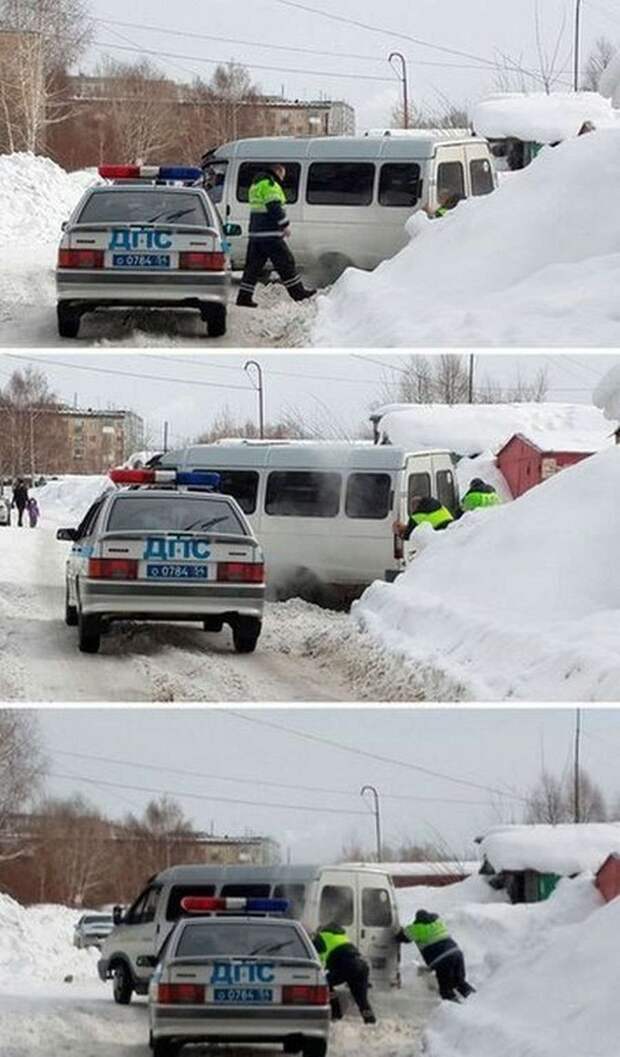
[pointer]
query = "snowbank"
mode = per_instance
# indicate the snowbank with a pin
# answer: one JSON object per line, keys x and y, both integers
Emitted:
{"x": 37, "y": 195}
{"x": 469, "y": 429}
{"x": 36, "y": 943}
{"x": 607, "y": 394}
{"x": 546, "y": 981}
{"x": 609, "y": 82}
{"x": 69, "y": 497}
{"x": 564, "y": 849}
{"x": 537, "y": 263}
{"x": 539, "y": 118}
{"x": 519, "y": 601}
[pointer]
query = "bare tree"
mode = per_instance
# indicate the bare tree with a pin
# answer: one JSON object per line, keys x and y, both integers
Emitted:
{"x": 22, "y": 767}
{"x": 598, "y": 60}
{"x": 70, "y": 842}
{"x": 225, "y": 425}
{"x": 31, "y": 431}
{"x": 552, "y": 800}
{"x": 141, "y": 106}
{"x": 445, "y": 380}
{"x": 548, "y": 58}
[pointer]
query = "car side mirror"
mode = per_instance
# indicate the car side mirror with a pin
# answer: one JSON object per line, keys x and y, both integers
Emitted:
{"x": 231, "y": 230}
{"x": 66, "y": 534}
{"x": 146, "y": 961}
{"x": 117, "y": 915}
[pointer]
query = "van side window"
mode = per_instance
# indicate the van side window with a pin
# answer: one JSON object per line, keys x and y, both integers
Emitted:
{"x": 376, "y": 908}
{"x": 242, "y": 485}
{"x": 251, "y": 891}
{"x": 178, "y": 892}
{"x": 399, "y": 184}
{"x": 340, "y": 183}
{"x": 144, "y": 908}
{"x": 418, "y": 484}
{"x": 481, "y": 176}
{"x": 446, "y": 492}
{"x": 336, "y": 905}
{"x": 368, "y": 495}
{"x": 450, "y": 180}
{"x": 296, "y": 895}
{"x": 302, "y": 494}
{"x": 248, "y": 170}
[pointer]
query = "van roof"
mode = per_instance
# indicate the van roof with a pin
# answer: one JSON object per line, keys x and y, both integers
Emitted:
{"x": 348, "y": 148}
{"x": 292, "y": 455}
{"x": 282, "y": 873}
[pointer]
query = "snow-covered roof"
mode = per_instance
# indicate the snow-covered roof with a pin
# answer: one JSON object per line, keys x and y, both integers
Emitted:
{"x": 540, "y": 118}
{"x": 564, "y": 849}
{"x": 468, "y": 429}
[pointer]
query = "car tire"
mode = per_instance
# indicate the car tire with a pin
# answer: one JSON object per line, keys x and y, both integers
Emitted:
{"x": 246, "y": 631}
{"x": 89, "y": 633}
{"x": 71, "y": 613}
{"x": 68, "y": 320}
{"x": 122, "y": 987}
{"x": 314, "y": 1047}
{"x": 215, "y": 316}
{"x": 165, "y": 1048}
{"x": 212, "y": 624}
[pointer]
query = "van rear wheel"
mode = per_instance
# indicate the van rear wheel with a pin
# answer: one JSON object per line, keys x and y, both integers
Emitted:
{"x": 122, "y": 988}
{"x": 165, "y": 1048}
{"x": 246, "y": 631}
{"x": 215, "y": 316}
{"x": 314, "y": 1048}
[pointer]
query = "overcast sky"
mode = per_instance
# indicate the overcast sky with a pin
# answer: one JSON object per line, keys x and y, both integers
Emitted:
{"x": 330, "y": 391}
{"x": 495, "y": 748}
{"x": 476, "y": 37}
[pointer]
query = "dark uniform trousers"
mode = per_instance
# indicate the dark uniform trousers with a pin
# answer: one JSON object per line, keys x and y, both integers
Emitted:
{"x": 450, "y": 973}
{"x": 263, "y": 249}
{"x": 350, "y": 969}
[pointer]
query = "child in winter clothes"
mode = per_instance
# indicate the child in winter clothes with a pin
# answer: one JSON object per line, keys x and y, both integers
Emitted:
{"x": 33, "y": 512}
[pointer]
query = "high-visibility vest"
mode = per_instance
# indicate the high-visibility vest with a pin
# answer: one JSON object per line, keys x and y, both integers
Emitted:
{"x": 423, "y": 935}
{"x": 442, "y": 516}
{"x": 472, "y": 500}
{"x": 331, "y": 941}
{"x": 264, "y": 191}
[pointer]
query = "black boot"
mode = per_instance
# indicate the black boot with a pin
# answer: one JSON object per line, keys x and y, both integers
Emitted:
{"x": 368, "y": 1016}
{"x": 245, "y": 300}
{"x": 299, "y": 292}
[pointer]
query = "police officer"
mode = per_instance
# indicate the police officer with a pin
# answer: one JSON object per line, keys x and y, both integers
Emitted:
{"x": 440, "y": 952}
{"x": 344, "y": 965}
{"x": 479, "y": 494}
{"x": 269, "y": 227}
{"x": 20, "y": 499}
{"x": 424, "y": 510}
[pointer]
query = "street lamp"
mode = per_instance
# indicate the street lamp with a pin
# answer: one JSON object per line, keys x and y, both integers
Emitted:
{"x": 377, "y": 814}
{"x": 403, "y": 77}
{"x": 576, "y": 46}
{"x": 261, "y": 393}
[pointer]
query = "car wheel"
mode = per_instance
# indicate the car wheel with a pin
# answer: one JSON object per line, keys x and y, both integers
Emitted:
{"x": 121, "y": 984}
{"x": 212, "y": 624}
{"x": 89, "y": 633}
{"x": 216, "y": 320}
{"x": 246, "y": 631}
{"x": 165, "y": 1048}
{"x": 71, "y": 613}
{"x": 314, "y": 1047}
{"x": 68, "y": 321}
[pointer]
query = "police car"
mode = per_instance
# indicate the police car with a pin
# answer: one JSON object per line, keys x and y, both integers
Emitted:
{"x": 165, "y": 548}
{"x": 238, "y": 979}
{"x": 153, "y": 239}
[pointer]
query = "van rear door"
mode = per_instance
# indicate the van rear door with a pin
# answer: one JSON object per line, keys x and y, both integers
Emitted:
{"x": 377, "y": 923}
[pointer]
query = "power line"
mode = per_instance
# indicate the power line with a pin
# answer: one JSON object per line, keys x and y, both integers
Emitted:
{"x": 373, "y": 755}
{"x": 126, "y": 374}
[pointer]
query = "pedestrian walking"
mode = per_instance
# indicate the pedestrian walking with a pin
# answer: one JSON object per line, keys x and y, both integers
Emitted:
{"x": 441, "y": 953}
{"x": 20, "y": 499}
{"x": 269, "y": 227}
{"x": 424, "y": 510}
{"x": 344, "y": 965}
{"x": 33, "y": 511}
{"x": 479, "y": 494}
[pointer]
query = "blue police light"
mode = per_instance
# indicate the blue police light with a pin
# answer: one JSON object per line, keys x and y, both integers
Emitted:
{"x": 198, "y": 478}
{"x": 267, "y": 906}
{"x": 179, "y": 172}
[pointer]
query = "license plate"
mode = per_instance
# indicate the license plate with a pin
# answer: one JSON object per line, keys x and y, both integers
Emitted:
{"x": 175, "y": 571}
{"x": 243, "y": 994}
{"x": 140, "y": 260}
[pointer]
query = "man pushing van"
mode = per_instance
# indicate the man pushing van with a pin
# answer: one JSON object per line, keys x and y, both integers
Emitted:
{"x": 269, "y": 227}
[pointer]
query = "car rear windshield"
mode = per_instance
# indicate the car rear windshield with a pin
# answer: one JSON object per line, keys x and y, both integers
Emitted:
{"x": 99, "y": 920}
{"x": 135, "y": 206}
{"x": 176, "y": 514}
{"x": 240, "y": 939}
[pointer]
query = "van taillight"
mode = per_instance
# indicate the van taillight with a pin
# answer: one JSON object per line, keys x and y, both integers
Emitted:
{"x": 201, "y": 262}
{"x": 80, "y": 258}
{"x": 305, "y": 995}
{"x": 241, "y": 572}
{"x": 180, "y": 994}
{"x": 112, "y": 569}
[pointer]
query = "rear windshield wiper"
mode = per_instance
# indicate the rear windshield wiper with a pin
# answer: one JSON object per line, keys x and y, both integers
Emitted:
{"x": 170, "y": 216}
{"x": 270, "y": 948}
{"x": 205, "y": 524}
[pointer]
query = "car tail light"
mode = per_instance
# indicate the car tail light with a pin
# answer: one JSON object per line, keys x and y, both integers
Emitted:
{"x": 241, "y": 572}
{"x": 112, "y": 568}
{"x": 305, "y": 995}
{"x": 80, "y": 258}
{"x": 180, "y": 994}
{"x": 399, "y": 550}
{"x": 202, "y": 262}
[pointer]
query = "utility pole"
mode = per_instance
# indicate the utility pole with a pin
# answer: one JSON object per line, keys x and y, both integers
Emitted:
{"x": 261, "y": 394}
{"x": 577, "y": 45}
{"x": 470, "y": 380}
{"x": 165, "y": 436}
{"x": 577, "y": 791}
{"x": 377, "y": 814}
{"x": 403, "y": 78}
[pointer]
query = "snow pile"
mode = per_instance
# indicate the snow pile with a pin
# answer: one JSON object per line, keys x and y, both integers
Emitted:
{"x": 70, "y": 497}
{"x": 537, "y": 263}
{"x": 36, "y": 943}
{"x": 546, "y": 981}
{"x": 470, "y": 429}
{"x": 37, "y": 195}
{"x": 562, "y": 849}
{"x": 540, "y": 118}
{"x": 609, "y": 82}
{"x": 520, "y": 601}
{"x": 607, "y": 394}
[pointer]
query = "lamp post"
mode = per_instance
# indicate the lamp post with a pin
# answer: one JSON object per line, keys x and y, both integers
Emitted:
{"x": 576, "y": 46}
{"x": 377, "y": 814}
{"x": 261, "y": 394}
{"x": 403, "y": 77}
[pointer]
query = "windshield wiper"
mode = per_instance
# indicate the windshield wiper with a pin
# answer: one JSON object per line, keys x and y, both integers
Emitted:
{"x": 205, "y": 524}
{"x": 270, "y": 948}
{"x": 171, "y": 216}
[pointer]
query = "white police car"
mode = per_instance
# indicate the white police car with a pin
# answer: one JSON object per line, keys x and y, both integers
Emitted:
{"x": 148, "y": 240}
{"x": 227, "y": 978}
{"x": 170, "y": 550}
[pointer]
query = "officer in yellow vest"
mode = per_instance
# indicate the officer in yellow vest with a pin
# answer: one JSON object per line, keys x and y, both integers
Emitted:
{"x": 344, "y": 965}
{"x": 440, "y": 952}
{"x": 269, "y": 227}
{"x": 424, "y": 510}
{"x": 479, "y": 494}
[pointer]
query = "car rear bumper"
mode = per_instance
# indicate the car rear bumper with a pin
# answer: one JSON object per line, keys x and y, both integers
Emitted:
{"x": 211, "y": 1024}
{"x": 114, "y": 289}
{"x": 160, "y": 601}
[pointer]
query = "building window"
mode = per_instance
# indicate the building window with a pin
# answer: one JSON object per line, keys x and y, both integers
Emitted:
{"x": 482, "y": 182}
{"x": 302, "y": 494}
{"x": 340, "y": 183}
{"x": 399, "y": 185}
{"x": 368, "y": 495}
{"x": 248, "y": 170}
